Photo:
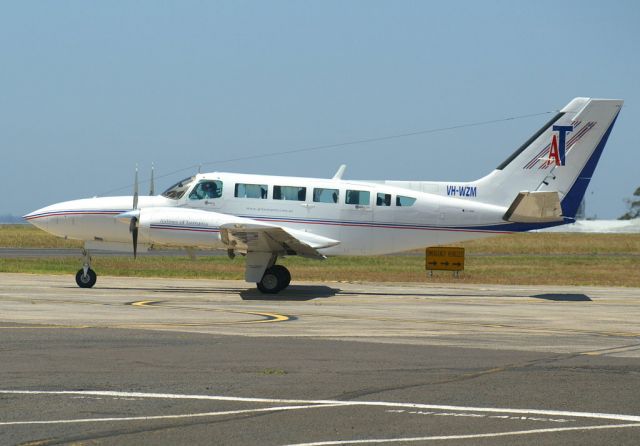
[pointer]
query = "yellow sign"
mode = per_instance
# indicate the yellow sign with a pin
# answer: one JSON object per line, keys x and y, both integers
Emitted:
{"x": 444, "y": 258}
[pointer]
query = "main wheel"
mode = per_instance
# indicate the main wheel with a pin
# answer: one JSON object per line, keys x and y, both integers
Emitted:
{"x": 274, "y": 280}
{"x": 284, "y": 272}
{"x": 86, "y": 280}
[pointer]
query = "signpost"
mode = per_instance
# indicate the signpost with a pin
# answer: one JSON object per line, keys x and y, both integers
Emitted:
{"x": 444, "y": 258}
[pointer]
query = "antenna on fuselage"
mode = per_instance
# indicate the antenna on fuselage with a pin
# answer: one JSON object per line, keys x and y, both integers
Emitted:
{"x": 340, "y": 172}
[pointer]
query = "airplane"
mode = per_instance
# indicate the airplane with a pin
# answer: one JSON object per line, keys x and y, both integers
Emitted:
{"x": 266, "y": 217}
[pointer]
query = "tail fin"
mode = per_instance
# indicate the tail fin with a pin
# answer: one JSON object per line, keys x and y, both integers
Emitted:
{"x": 560, "y": 158}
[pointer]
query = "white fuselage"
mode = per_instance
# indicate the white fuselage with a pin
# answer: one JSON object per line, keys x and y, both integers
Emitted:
{"x": 365, "y": 217}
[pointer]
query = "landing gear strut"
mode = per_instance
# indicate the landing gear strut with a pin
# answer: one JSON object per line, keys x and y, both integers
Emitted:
{"x": 275, "y": 279}
{"x": 86, "y": 277}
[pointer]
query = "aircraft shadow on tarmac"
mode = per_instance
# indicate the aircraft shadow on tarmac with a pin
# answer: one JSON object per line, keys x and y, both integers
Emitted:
{"x": 563, "y": 297}
{"x": 168, "y": 290}
{"x": 292, "y": 293}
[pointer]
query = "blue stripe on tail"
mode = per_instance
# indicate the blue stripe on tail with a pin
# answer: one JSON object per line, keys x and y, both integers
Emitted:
{"x": 574, "y": 197}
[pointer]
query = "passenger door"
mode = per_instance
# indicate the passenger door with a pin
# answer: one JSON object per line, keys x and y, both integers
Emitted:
{"x": 356, "y": 217}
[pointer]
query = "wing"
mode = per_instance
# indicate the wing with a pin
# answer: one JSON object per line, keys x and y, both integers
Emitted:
{"x": 263, "y": 243}
{"x": 259, "y": 237}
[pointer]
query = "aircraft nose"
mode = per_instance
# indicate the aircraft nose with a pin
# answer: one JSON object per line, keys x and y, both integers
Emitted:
{"x": 41, "y": 218}
{"x": 32, "y": 215}
{"x": 39, "y": 213}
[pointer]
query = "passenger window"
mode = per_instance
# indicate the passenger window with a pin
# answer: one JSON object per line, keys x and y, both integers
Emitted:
{"x": 294, "y": 193}
{"x": 404, "y": 201}
{"x": 360, "y": 197}
{"x": 383, "y": 200}
{"x": 206, "y": 189}
{"x": 251, "y": 190}
{"x": 321, "y": 195}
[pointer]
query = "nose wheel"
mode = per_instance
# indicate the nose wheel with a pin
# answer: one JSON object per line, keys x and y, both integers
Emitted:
{"x": 274, "y": 280}
{"x": 86, "y": 277}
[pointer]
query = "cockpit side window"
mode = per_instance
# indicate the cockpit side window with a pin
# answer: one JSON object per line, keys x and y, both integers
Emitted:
{"x": 176, "y": 191}
{"x": 206, "y": 189}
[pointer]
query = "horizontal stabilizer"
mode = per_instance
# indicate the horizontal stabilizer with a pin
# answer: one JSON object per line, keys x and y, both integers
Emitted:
{"x": 535, "y": 207}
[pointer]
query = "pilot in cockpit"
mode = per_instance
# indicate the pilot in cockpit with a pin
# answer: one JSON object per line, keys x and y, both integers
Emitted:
{"x": 206, "y": 189}
{"x": 209, "y": 190}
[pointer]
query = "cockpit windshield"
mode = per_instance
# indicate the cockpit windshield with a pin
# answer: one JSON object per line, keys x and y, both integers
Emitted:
{"x": 176, "y": 191}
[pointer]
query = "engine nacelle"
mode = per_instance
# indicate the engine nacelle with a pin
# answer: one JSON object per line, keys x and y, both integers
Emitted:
{"x": 182, "y": 227}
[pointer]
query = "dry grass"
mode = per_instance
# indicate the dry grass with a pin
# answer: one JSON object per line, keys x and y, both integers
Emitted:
{"x": 27, "y": 236}
{"x": 525, "y": 259}
{"x": 556, "y": 243}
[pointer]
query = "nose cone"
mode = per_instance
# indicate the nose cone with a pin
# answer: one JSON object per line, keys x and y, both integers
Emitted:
{"x": 45, "y": 212}
{"x": 43, "y": 217}
{"x": 33, "y": 215}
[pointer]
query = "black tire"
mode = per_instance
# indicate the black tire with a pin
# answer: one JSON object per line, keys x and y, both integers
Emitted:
{"x": 273, "y": 280}
{"x": 86, "y": 280}
{"x": 284, "y": 273}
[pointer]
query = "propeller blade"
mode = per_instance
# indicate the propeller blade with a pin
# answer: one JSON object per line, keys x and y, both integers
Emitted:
{"x": 152, "y": 187}
{"x": 135, "y": 191}
{"x": 133, "y": 229}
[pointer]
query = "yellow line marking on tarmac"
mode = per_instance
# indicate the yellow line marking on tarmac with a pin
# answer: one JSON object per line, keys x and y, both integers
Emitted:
{"x": 37, "y": 443}
{"x": 606, "y": 351}
{"x": 143, "y": 303}
{"x": 275, "y": 317}
{"x": 269, "y": 317}
{"x": 42, "y": 327}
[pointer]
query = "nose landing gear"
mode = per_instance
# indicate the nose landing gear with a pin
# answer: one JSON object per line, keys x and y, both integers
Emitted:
{"x": 86, "y": 277}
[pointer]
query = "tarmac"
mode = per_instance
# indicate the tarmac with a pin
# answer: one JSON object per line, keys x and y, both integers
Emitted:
{"x": 172, "y": 361}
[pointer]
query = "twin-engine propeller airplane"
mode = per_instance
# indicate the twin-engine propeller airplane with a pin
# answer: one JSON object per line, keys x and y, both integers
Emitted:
{"x": 266, "y": 217}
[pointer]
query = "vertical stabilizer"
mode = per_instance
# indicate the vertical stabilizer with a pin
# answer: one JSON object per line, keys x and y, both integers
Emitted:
{"x": 560, "y": 157}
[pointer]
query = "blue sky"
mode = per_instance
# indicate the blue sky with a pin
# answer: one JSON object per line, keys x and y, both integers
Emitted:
{"x": 90, "y": 89}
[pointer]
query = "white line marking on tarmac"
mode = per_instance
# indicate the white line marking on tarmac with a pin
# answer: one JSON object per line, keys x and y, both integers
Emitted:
{"x": 478, "y": 415}
{"x": 557, "y": 413}
{"x": 313, "y": 404}
{"x": 468, "y": 436}
{"x": 165, "y": 417}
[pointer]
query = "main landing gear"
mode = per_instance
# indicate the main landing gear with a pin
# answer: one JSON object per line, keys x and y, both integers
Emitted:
{"x": 86, "y": 277}
{"x": 275, "y": 279}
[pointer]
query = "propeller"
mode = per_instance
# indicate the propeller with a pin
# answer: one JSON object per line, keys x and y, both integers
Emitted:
{"x": 151, "y": 186}
{"x": 133, "y": 224}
